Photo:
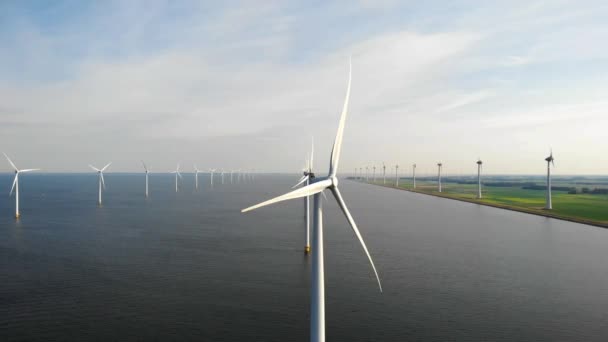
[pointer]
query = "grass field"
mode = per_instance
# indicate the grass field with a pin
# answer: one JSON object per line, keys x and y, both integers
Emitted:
{"x": 585, "y": 208}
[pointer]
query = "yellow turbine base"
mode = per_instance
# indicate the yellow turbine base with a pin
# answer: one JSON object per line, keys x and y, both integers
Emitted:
{"x": 17, "y": 215}
{"x": 306, "y": 249}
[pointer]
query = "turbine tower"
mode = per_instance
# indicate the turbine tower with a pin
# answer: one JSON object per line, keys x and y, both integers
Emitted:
{"x": 16, "y": 184}
{"x": 550, "y": 160}
{"x": 383, "y": 173}
{"x": 317, "y": 307}
{"x": 101, "y": 181}
{"x": 374, "y": 177}
{"x": 439, "y": 165}
{"x": 367, "y": 174}
{"x": 479, "y": 166}
{"x": 222, "y": 176}
{"x": 176, "y": 175}
{"x": 396, "y": 176}
{"x": 196, "y": 172}
{"x": 147, "y": 171}
{"x": 414, "y": 174}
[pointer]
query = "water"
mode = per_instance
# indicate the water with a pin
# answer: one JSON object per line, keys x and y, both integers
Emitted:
{"x": 190, "y": 266}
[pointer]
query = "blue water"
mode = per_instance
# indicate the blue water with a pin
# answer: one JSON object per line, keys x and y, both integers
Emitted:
{"x": 190, "y": 266}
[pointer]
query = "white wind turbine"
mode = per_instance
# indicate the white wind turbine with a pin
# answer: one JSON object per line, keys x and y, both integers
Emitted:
{"x": 479, "y": 167}
{"x": 414, "y": 174}
{"x": 211, "y": 176}
{"x": 147, "y": 172}
{"x": 16, "y": 184}
{"x": 367, "y": 174}
{"x": 306, "y": 179}
{"x": 101, "y": 181}
{"x": 177, "y": 173}
{"x": 374, "y": 174}
{"x": 396, "y": 176}
{"x": 439, "y": 165}
{"x": 231, "y": 172}
{"x": 383, "y": 173}
{"x": 222, "y": 176}
{"x": 317, "y": 307}
{"x": 196, "y": 172}
{"x": 550, "y": 160}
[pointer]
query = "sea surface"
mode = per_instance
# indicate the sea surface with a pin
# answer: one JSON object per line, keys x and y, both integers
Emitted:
{"x": 190, "y": 266}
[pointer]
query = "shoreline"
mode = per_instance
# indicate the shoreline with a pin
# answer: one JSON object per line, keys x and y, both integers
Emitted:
{"x": 499, "y": 206}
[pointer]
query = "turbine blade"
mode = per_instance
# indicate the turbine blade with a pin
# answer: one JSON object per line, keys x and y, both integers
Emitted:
{"x": 308, "y": 190}
{"x": 11, "y": 162}
{"x": 103, "y": 183}
{"x": 302, "y": 180}
{"x": 180, "y": 175}
{"x": 144, "y": 164}
{"x": 335, "y": 152}
{"x": 353, "y": 225}
{"x": 28, "y": 170}
{"x": 94, "y": 168}
{"x": 105, "y": 167}
{"x": 14, "y": 183}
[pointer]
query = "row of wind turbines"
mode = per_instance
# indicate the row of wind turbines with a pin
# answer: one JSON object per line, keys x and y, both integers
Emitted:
{"x": 241, "y": 176}
{"x": 359, "y": 175}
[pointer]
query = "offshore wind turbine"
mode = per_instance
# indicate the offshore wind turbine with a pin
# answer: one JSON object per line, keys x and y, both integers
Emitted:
{"x": 414, "y": 174}
{"x": 147, "y": 172}
{"x": 306, "y": 179}
{"x": 550, "y": 160}
{"x": 317, "y": 307}
{"x": 177, "y": 173}
{"x": 211, "y": 177}
{"x": 367, "y": 174}
{"x": 196, "y": 172}
{"x": 374, "y": 177}
{"x": 231, "y": 172}
{"x": 222, "y": 176}
{"x": 439, "y": 165}
{"x": 479, "y": 166}
{"x": 101, "y": 181}
{"x": 396, "y": 176}
{"x": 16, "y": 184}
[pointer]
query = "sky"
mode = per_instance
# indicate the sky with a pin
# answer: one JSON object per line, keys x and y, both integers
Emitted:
{"x": 241, "y": 85}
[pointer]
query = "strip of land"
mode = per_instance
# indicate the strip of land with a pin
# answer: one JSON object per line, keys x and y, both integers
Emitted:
{"x": 582, "y": 208}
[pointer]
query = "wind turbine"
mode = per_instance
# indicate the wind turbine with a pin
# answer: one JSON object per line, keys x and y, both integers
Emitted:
{"x": 317, "y": 307}
{"x": 231, "y": 172}
{"x": 196, "y": 172}
{"x": 101, "y": 181}
{"x": 306, "y": 179}
{"x": 222, "y": 176}
{"x": 414, "y": 174}
{"x": 211, "y": 178}
{"x": 479, "y": 166}
{"x": 383, "y": 173}
{"x": 16, "y": 184}
{"x": 550, "y": 160}
{"x": 374, "y": 174}
{"x": 439, "y": 165}
{"x": 176, "y": 175}
{"x": 396, "y": 176}
{"x": 147, "y": 172}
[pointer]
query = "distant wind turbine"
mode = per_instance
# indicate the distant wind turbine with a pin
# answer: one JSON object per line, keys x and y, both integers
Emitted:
{"x": 196, "y": 172}
{"x": 374, "y": 174}
{"x": 306, "y": 179}
{"x": 479, "y": 167}
{"x": 396, "y": 176}
{"x": 16, "y": 184}
{"x": 147, "y": 172}
{"x": 211, "y": 176}
{"x": 439, "y": 165}
{"x": 317, "y": 307}
{"x": 414, "y": 174}
{"x": 383, "y": 173}
{"x": 550, "y": 161}
{"x": 101, "y": 181}
{"x": 177, "y": 173}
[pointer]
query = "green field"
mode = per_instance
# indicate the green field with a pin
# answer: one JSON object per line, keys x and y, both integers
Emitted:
{"x": 582, "y": 207}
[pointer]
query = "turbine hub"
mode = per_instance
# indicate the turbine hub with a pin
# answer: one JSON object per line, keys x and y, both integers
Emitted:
{"x": 334, "y": 181}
